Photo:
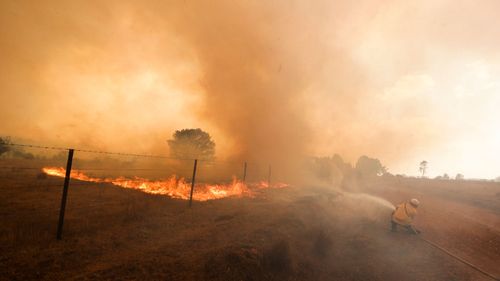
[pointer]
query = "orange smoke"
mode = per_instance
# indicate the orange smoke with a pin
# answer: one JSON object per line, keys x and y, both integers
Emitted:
{"x": 173, "y": 187}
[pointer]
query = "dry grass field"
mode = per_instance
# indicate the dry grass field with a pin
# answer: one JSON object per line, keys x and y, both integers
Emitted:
{"x": 295, "y": 233}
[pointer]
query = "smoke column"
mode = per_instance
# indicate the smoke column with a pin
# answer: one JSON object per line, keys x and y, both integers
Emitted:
{"x": 270, "y": 80}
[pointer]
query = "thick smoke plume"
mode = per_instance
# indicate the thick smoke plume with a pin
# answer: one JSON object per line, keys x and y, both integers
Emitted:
{"x": 270, "y": 80}
{"x": 256, "y": 64}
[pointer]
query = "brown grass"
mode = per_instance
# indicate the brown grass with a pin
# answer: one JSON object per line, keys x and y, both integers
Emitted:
{"x": 112, "y": 233}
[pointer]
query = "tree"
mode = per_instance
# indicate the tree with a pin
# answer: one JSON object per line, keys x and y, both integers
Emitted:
{"x": 192, "y": 143}
{"x": 330, "y": 169}
{"x": 369, "y": 167}
{"x": 344, "y": 167}
{"x": 4, "y": 145}
{"x": 446, "y": 177}
{"x": 423, "y": 167}
{"x": 459, "y": 176}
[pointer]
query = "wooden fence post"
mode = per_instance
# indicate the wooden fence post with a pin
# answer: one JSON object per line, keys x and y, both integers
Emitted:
{"x": 65, "y": 194}
{"x": 269, "y": 177}
{"x": 192, "y": 183}
{"x": 245, "y": 172}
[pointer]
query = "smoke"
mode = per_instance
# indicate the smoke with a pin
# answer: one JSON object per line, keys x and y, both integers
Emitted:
{"x": 373, "y": 200}
{"x": 239, "y": 70}
{"x": 256, "y": 63}
{"x": 365, "y": 206}
{"x": 270, "y": 80}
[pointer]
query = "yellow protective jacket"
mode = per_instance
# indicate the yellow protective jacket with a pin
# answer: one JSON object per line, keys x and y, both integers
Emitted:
{"x": 404, "y": 214}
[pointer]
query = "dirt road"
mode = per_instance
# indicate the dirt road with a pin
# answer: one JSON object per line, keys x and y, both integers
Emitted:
{"x": 461, "y": 216}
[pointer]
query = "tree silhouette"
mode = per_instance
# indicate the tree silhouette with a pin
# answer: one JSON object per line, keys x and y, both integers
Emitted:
{"x": 4, "y": 145}
{"x": 191, "y": 144}
{"x": 423, "y": 167}
{"x": 369, "y": 167}
{"x": 330, "y": 169}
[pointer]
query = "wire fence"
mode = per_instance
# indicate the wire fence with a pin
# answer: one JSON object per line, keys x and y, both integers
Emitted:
{"x": 105, "y": 189}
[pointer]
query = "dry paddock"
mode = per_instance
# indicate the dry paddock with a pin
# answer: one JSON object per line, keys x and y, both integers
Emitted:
{"x": 297, "y": 233}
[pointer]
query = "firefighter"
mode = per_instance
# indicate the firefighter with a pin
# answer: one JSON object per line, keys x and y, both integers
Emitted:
{"x": 404, "y": 215}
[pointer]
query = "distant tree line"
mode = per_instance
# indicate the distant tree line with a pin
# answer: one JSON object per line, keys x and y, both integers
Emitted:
{"x": 334, "y": 169}
{"x": 4, "y": 148}
{"x": 445, "y": 176}
{"x": 423, "y": 169}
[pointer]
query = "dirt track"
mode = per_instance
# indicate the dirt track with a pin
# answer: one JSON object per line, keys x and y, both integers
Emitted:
{"x": 461, "y": 216}
{"x": 285, "y": 234}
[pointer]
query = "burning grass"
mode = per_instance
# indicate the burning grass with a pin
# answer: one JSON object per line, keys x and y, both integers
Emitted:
{"x": 292, "y": 234}
{"x": 175, "y": 187}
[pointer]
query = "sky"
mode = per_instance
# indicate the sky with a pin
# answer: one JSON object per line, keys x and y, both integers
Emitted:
{"x": 271, "y": 81}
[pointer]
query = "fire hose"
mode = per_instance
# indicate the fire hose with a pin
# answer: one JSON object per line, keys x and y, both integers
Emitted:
{"x": 459, "y": 258}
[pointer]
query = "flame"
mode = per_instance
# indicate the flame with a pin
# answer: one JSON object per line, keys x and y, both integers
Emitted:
{"x": 265, "y": 184}
{"x": 173, "y": 187}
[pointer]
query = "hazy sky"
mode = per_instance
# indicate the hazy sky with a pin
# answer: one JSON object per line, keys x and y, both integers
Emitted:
{"x": 403, "y": 81}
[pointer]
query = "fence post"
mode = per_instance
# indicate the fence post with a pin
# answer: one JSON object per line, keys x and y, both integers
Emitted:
{"x": 65, "y": 194}
{"x": 192, "y": 183}
{"x": 269, "y": 177}
{"x": 245, "y": 172}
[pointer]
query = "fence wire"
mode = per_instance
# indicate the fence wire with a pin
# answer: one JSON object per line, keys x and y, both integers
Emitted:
{"x": 31, "y": 199}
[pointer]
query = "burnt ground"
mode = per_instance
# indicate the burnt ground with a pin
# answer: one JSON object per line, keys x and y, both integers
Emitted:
{"x": 297, "y": 233}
